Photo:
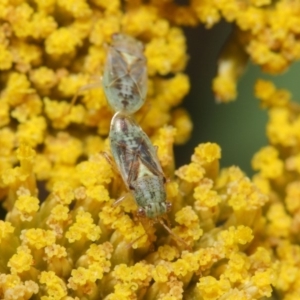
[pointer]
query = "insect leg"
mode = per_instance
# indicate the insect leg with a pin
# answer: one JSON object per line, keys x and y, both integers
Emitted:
{"x": 87, "y": 87}
{"x": 177, "y": 238}
{"x": 110, "y": 161}
{"x": 114, "y": 167}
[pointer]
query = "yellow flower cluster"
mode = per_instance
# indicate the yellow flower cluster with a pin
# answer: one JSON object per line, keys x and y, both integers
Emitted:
{"x": 52, "y": 250}
{"x": 63, "y": 237}
{"x": 278, "y": 171}
{"x": 265, "y": 31}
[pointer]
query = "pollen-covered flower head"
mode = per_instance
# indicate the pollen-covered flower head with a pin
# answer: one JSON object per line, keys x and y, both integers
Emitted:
{"x": 67, "y": 233}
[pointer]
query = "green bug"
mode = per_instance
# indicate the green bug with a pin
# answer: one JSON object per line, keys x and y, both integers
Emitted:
{"x": 139, "y": 166}
{"x": 125, "y": 74}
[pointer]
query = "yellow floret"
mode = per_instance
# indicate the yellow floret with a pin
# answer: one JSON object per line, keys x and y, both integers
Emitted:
{"x": 56, "y": 251}
{"x": 26, "y": 156}
{"x": 162, "y": 272}
{"x": 167, "y": 252}
{"x": 164, "y": 142}
{"x": 4, "y": 112}
{"x": 206, "y": 11}
{"x": 28, "y": 109}
{"x": 19, "y": 18}
{"x": 140, "y": 273}
{"x": 43, "y": 78}
{"x": 94, "y": 99}
{"x": 260, "y": 2}
{"x": 7, "y": 142}
{"x": 55, "y": 287}
{"x": 292, "y": 196}
{"x": 279, "y": 221}
{"x": 264, "y": 89}
{"x": 262, "y": 280}
{"x": 181, "y": 267}
{"x": 43, "y": 25}
{"x": 190, "y": 227}
{"x": 183, "y": 125}
{"x": 83, "y": 228}
{"x": 268, "y": 163}
{"x": 77, "y": 8}
{"x": 231, "y": 65}
{"x": 38, "y": 238}
{"x": 93, "y": 144}
{"x": 172, "y": 91}
{"x": 60, "y": 213}
{"x": 191, "y": 173}
{"x": 158, "y": 53}
{"x": 95, "y": 171}
{"x": 27, "y": 206}
{"x": 26, "y": 55}
{"x": 237, "y": 267}
{"x": 206, "y": 153}
{"x": 46, "y": 6}
{"x": 211, "y": 288}
{"x": 13, "y": 287}
{"x": 139, "y": 20}
{"x": 5, "y": 230}
{"x": 230, "y": 9}
{"x": 63, "y": 149}
{"x": 42, "y": 167}
{"x": 94, "y": 59}
{"x": 59, "y": 219}
{"x": 269, "y": 95}
{"x": 206, "y": 198}
{"x": 62, "y": 41}
{"x": 279, "y": 128}
{"x": 57, "y": 112}
{"x": 32, "y": 131}
{"x": 98, "y": 193}
{"x": 104, "y": 28}
{"x": 70, "y": 84}
{"x": 231, "y": 238}
{"x": 111, "y": 7}
{"x": 252, "y": 19}
{"x": 224, "y": 88}
{"x": 243, "y": 194}
{"x": 4, "y": 8}
{"x": 17, "y": 89}
{"x": 21, "y": 261}
{"x": 96, "y": 262}
{"x": 100, "y": 253}
{"x": 6, "y": 58}
{"x": 186, "y": 216}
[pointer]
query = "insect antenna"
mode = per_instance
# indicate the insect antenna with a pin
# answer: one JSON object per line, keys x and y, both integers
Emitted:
{"x": 135, "y": 240}
{"x": 82, "y": 89}
{"x": 176, "y": 237}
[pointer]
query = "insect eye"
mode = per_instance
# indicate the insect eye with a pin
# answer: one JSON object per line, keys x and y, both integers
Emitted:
{"x": 131, "y": 187}
{"x": 169, "y": 206}
{"x": 141, "y": 212}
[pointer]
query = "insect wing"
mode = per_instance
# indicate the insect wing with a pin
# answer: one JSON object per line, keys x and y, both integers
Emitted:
{"x": 125, "y": 77}
{"x": 123, "y": 147}
{"x": 131, "y": 147}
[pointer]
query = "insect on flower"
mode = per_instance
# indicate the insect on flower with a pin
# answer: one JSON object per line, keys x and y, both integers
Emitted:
{"x": 125, "y": 74}
{"x": 138, "y": 164}
{"x": 124, "y": 78}
{"x": 137, "y": 161}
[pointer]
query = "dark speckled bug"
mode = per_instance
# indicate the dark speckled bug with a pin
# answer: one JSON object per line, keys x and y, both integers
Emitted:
{"x": 139, "y": 166}
{"x": 125, "y": 74}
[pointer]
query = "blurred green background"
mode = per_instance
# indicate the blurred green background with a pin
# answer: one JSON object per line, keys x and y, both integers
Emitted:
{"x": 238, "y": 127}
